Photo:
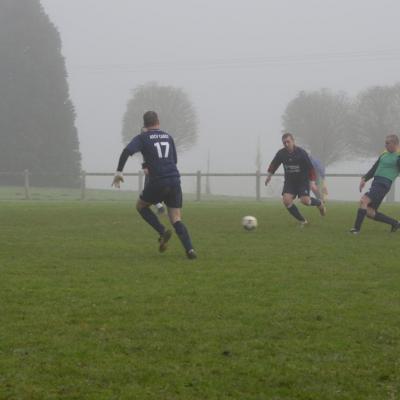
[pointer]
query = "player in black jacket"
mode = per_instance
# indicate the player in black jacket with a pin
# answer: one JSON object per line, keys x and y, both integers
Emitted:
{"x": 299, "y": 177}
{"x": 160, "y": 158}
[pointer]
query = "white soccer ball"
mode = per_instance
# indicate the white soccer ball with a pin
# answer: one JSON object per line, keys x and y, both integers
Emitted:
{"x": 249, "y": 223}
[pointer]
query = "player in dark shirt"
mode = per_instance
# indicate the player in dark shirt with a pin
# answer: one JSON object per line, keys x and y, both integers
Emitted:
{"x": 159, "y": 156}
{"x": 299, "y": 177}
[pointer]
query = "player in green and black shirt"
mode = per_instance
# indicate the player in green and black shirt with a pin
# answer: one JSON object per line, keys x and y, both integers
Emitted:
{"x": 384, "y": 171}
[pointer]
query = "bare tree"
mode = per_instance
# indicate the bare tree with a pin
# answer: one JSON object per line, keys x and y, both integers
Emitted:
{"x": 377, "y": 114}
{"x": 176, "y": 113}
{"x": 321, "y": 120}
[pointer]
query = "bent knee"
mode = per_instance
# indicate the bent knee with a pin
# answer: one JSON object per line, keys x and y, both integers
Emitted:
{"x": 305, "y": 200}
{"x": 287, "y": 201}
{"x": 140, "y": 205}
{"x": 174, "y": 215}
{"x": 364, "y": 201}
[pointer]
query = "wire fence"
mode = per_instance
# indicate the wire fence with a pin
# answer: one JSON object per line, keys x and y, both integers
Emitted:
{"x": 197, "y": 186}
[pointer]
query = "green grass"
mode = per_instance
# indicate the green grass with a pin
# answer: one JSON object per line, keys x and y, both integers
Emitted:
{"x": 90, "y": 310}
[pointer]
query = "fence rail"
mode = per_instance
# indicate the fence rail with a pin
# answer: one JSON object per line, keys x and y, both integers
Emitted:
{"x": 198, "y": 175}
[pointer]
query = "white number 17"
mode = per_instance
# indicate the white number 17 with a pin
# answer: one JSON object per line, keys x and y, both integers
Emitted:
{"x": 159, "y": 149}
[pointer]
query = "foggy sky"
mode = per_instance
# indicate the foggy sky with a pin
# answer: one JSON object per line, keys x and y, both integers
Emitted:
{"x": 241, "y": 62}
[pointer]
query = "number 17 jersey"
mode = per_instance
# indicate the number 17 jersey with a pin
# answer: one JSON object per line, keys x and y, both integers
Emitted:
{"x": 159, "y": 153}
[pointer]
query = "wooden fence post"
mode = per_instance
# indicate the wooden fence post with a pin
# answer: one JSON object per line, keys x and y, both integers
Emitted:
{"x": 198, "y": 186}
{"x": 83, "y": 185}
{"x": 26, "y": 184}
{"x": 258, "y": 185}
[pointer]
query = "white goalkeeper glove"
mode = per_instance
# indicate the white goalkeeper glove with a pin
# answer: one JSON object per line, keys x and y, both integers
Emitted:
{"x": 118, "y": 178}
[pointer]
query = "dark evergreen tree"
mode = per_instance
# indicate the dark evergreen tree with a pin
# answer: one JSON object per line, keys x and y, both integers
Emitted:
{"x": 176, "y": 113}
{"x": 37, "y": 118}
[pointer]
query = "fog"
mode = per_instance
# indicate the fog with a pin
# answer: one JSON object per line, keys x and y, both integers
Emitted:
{"x": 241, "y": 62}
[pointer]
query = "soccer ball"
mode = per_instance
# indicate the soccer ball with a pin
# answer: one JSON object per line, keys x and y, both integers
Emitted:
{"x": 249, "y": 223}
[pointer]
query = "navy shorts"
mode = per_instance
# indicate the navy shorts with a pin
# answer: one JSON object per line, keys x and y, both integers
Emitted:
{"x": 377, "y": 192}
{"x": 299, "y": 189}
{"x": 163, "y": 190}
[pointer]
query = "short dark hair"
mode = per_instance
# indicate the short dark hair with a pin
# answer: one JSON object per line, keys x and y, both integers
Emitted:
{"x": 286, "y": 135}
{"x": 150, "y": 118}
{"x": 393, "y": 138}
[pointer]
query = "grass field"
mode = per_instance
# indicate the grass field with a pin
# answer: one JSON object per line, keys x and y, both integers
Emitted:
{"x": 90, "y": 310}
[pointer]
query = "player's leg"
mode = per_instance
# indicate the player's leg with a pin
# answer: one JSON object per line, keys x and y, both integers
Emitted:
{"x": 369, "y": 205}
{"x": 307, "y": 200}
{"x": 313, "y": 202}
{"x": 160, "y": 208}
{"x": 380, "y": 191}
{"x": 152, "y": 194}
{"x": 374, "y": 214}
{"x": 288, "y": 201}
{"x": 173, "y": 201}
{"x": 144, "y": 210}
{"x": 316, "y": 190}
{"x": 175, "y": 217}
{"x": 310, "y": 201}
{"x": 361, "y": 214}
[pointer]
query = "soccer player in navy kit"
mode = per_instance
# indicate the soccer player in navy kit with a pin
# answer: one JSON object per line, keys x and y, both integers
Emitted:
{"x": 299, "y": 177}
{"x": 159, "y": 206}
{"x": 160, "y": 158}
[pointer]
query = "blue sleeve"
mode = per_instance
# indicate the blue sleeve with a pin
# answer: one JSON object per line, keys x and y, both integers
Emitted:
{"x": 135, "y": 145}
{"x": 318, "y": 167}
{"x": 309, "y": 166}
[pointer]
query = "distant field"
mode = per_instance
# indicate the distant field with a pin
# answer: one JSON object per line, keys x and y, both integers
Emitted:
{"x": 90, "y": 310}
{"x": 13, "y": 193}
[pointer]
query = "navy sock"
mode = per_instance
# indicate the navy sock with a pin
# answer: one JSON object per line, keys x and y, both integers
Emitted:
{"x": 315, "y": 202}
{"x": 384, "y": 218}
{"x": 152, "y": 219}
{"x": 183, "y": 235}
{"x": 295, "y": 212}
{"x": 361, "y": 213}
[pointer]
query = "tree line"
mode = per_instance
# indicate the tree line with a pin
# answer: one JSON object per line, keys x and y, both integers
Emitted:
{"x": 333, "y": 126}
{"x": 37, "y": 117}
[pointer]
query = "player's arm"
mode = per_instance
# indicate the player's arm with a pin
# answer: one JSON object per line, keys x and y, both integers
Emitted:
{"x": 145, "y": 168}
{"x": 312, "y": 175}
{"x": 118, "y": 177}
{"x": 320, "y": 169}
{"x": 133, "y": 147}
{"x": 369, "y": 174}
{"x": 174, "y": 153}
{"x": 372, "y": 171}
{"x": 273, "y": 166}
